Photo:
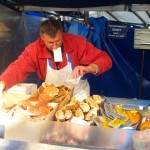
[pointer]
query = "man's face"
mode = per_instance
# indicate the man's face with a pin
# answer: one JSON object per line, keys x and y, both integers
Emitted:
{"x": 53, "y": 43}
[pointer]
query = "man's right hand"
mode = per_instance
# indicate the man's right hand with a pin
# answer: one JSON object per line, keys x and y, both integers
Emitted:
{"x": 2, "y": 87}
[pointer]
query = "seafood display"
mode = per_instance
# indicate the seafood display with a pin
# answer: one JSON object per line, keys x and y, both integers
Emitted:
{"x": 42, "y": 104}
{"x": 82, "y": 110}
{"x": 114, "y": 116}
{"x": 56, "y": 103}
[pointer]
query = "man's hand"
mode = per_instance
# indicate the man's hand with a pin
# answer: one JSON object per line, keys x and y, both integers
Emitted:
{"x": 2, "y": 87}
{"x": 79, "y": 71}
{"x": 82, "y": 70}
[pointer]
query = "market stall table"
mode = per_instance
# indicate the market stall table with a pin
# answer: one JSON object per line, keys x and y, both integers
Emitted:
{"x": 39, "y": 134}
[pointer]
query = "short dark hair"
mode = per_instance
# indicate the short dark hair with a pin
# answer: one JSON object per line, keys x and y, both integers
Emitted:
{"x": 50, "y": 27}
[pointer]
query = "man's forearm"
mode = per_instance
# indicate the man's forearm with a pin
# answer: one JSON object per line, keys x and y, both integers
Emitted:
{"x": 93, "y": 68}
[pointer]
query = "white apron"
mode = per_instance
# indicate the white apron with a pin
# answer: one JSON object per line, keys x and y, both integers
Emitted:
{"x": 60, "y": 76}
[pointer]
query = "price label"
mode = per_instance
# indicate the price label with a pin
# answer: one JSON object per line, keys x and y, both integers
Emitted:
{"x": 81, "y": 96}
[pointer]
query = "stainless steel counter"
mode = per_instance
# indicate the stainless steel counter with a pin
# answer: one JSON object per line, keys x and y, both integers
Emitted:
{"x": 26, "y": 135}
{"x": 22, "y": 145}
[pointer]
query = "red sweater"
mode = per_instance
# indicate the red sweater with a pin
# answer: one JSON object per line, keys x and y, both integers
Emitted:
{"x": 34, "y": 59}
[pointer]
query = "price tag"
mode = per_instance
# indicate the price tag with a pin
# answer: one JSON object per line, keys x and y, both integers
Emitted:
{"x": 72, "y": 80}
{"x": 57, "y": 54}
{"x": 81, "y": 96}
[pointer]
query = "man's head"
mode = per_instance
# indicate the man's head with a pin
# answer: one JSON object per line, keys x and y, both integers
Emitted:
{"x": 51, "y": 33}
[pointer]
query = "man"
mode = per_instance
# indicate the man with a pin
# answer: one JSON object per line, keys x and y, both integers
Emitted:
{"x": 55, "y": 55}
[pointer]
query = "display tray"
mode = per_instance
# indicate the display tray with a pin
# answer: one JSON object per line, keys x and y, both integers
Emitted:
{"x": 118, "y": 113}
{"x": 127, "y": 103}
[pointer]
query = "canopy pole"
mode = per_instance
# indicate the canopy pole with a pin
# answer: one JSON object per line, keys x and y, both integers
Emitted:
{"x": 141, "y": 77}
{"x": 86, "y": 17}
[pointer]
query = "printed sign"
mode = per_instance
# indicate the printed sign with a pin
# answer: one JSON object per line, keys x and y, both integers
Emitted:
{"x": 117, "y": 30}
{"x": 81, "y": 96}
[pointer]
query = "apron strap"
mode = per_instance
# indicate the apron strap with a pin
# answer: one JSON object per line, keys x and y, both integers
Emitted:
{"x": 50, "y": 63}
{"x": 69, "y": 60}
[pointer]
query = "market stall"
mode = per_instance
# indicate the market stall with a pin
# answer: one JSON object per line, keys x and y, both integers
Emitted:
{"x": 81, "y": 122}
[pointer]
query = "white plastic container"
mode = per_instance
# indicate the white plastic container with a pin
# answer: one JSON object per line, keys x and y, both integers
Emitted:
{"x": 141, "y": 140}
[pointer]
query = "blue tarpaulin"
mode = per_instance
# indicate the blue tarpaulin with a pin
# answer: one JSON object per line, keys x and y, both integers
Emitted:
{"x": 123, "y": 80}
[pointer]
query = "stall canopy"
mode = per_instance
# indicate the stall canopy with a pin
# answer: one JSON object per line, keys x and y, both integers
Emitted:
{"x": 78, "y": 3}
{"x": 130, "y": 74}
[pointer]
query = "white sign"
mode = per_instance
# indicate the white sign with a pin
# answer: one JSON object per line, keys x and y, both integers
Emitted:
{"x": 81, "y": 96}
{"x": 57, "y": 54}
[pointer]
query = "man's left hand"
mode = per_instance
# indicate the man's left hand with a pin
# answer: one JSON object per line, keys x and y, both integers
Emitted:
{"x": 80, "y": 71}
